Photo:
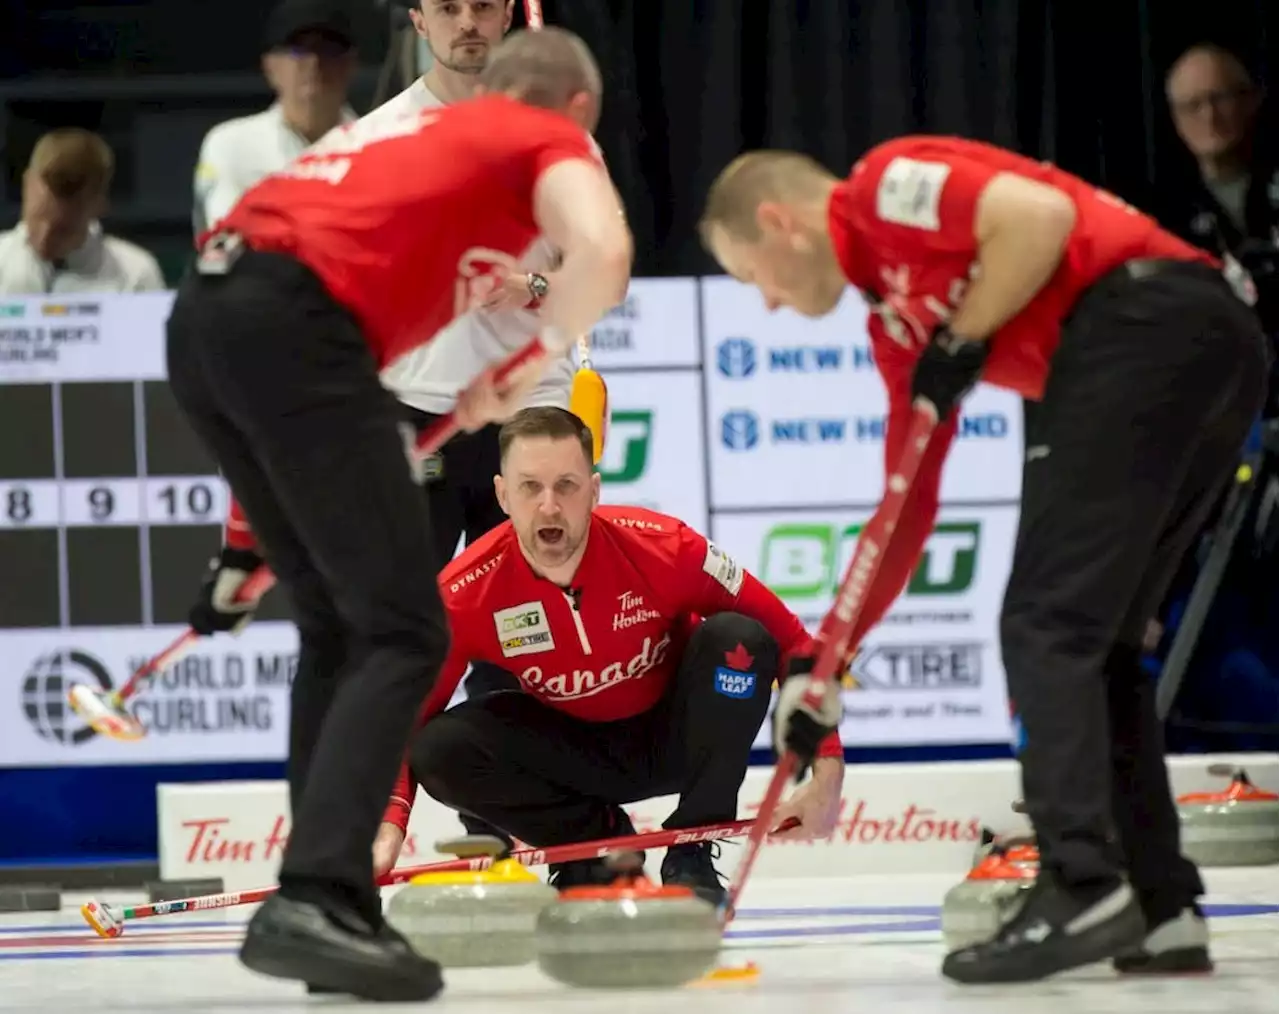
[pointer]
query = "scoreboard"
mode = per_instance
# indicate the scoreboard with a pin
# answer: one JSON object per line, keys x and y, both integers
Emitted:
{"x": 110, "y": 509}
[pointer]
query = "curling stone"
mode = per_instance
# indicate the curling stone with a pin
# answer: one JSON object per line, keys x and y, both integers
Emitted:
{"x": 631, "y": 934}
{"x": 990, "y": 839}
{"x": 975, "y": 909}
{"x": 473, "y": 918}
{"x": 1237, "y": 826}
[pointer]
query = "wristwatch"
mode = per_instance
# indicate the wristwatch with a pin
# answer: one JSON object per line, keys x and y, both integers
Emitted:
{"x": 538, "y": 287}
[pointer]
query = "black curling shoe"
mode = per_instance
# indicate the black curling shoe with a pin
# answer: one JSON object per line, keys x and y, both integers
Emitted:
{"x": 1056, "y": 929}
{"x": 693, "y": 866}
{"x": 334, "y": 950}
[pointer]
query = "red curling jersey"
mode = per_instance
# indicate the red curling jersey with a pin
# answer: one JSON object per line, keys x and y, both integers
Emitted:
{"x": 902, "y": 225}
{"x": 411, "y": 221}
{"x": 608, "y": 648}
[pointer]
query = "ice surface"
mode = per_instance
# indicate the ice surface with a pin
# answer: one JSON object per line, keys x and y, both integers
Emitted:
{"x": 869, "y": 945}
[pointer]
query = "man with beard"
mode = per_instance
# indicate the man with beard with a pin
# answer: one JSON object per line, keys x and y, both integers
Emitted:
{"x": 459, "y": 483}
{"x": 646, "y": 659}
{"x": 323, "y": 274}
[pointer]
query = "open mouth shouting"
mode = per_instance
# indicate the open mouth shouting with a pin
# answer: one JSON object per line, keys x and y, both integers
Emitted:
{"x": 550, "y": 535}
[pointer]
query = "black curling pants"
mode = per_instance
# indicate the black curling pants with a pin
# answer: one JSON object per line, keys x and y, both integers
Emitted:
{"x": 1159, "y": 374}
{"x": 549, "y": 779}
{"x": 461, "y": 502}
{"x": 277, "y": 381}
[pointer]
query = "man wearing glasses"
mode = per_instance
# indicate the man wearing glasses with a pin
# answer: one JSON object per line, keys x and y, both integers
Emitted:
{"x": 1214, "y": 103}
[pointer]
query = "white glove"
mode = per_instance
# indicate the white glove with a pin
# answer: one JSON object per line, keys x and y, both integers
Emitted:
{"x": 797, "y": 726}
{"x": 217, "y": 610}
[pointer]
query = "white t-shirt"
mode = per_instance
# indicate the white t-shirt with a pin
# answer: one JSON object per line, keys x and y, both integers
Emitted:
{"x": 102, "y": 264}
{"x": 237, "y": 153}
{"x": 430, "y": 377}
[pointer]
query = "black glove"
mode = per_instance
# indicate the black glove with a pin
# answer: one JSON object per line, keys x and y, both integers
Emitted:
{"x": 947, "y": 370}
{"x": 216, "y": 610}
{"x": 798, "y": 728}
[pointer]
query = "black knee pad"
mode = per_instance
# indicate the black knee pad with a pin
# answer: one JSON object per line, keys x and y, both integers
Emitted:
{"x": 741, "y": 653}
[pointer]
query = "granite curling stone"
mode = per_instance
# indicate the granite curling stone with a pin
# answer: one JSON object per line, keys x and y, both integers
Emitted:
{"x": 1237, "y": 826}
{"x": 990, "y": 839}
{"x": 476, "y": 918}
{"x": 974, "y": 910}
{"x": 631, "y": 934}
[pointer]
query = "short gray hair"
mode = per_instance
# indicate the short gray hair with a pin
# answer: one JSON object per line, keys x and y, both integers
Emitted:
{"x": 544, "y": 68}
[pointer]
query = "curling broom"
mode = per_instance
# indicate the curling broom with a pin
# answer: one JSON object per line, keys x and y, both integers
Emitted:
{"x": 588, "y": 397}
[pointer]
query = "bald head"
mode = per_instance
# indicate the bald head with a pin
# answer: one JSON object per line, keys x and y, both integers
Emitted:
{"x": 765, "y": 222}
{"x": 550, "y": 68}
{"x": 781, "y": 177}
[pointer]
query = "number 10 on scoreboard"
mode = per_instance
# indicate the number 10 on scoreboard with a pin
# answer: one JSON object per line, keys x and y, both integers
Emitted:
{"x": 198, "y": 500}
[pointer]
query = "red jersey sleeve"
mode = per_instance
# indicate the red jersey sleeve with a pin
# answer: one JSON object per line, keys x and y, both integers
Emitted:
{"x": 918, "y": 193}
{"x": 570, "y": 143}
{"x": 236, "y": 533}
{"x": 921, "y": 509}
{"x": 716, "y": 583}
{"x": 713, "y": 582}
{"x": 400, "y": 805}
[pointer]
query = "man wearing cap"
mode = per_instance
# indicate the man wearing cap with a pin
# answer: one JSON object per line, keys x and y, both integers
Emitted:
{"x": 309, "y": 59}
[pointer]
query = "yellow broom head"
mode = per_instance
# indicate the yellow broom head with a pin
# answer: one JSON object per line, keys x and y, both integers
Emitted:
{"x": 589, "y": 401}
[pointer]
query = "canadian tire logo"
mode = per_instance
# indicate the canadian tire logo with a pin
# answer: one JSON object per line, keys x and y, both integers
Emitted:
{"x": 44, "y": 694}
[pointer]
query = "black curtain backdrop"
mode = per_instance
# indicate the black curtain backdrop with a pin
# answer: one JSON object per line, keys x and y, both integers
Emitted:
{"x": 691, "y": 83}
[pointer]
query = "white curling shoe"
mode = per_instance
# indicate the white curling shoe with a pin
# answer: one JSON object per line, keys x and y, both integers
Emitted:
{"x": 1177, "y": 946}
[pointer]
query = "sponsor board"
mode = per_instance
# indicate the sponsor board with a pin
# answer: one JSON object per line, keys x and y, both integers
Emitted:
{"x": 894, "y": 819}
{"x": 656, "y": 325}
{"x": 228, "y": 699}
{"x": 83, "y": 337}
{"x": 796, "y": 411}
{"x": 930, "y": 671}
{"x": 121, "y": 337}
{"x": 653, "y": 451}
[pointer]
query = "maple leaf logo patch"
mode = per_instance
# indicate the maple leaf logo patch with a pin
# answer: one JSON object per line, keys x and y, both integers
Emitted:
{"x": 736, "y": 678}
{"x": 739, "y": 659}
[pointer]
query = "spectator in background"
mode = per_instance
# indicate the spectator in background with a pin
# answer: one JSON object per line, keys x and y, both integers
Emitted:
{"x": 310, "y": 60}
{"x": 59, "y": 245}
{"x": 1231, "y": 206}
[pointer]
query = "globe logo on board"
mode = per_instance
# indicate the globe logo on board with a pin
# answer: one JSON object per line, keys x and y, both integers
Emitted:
{"x": 739, "y": 430}
{"x": 44, "y": 694}
{"x": 736, "y": 357}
